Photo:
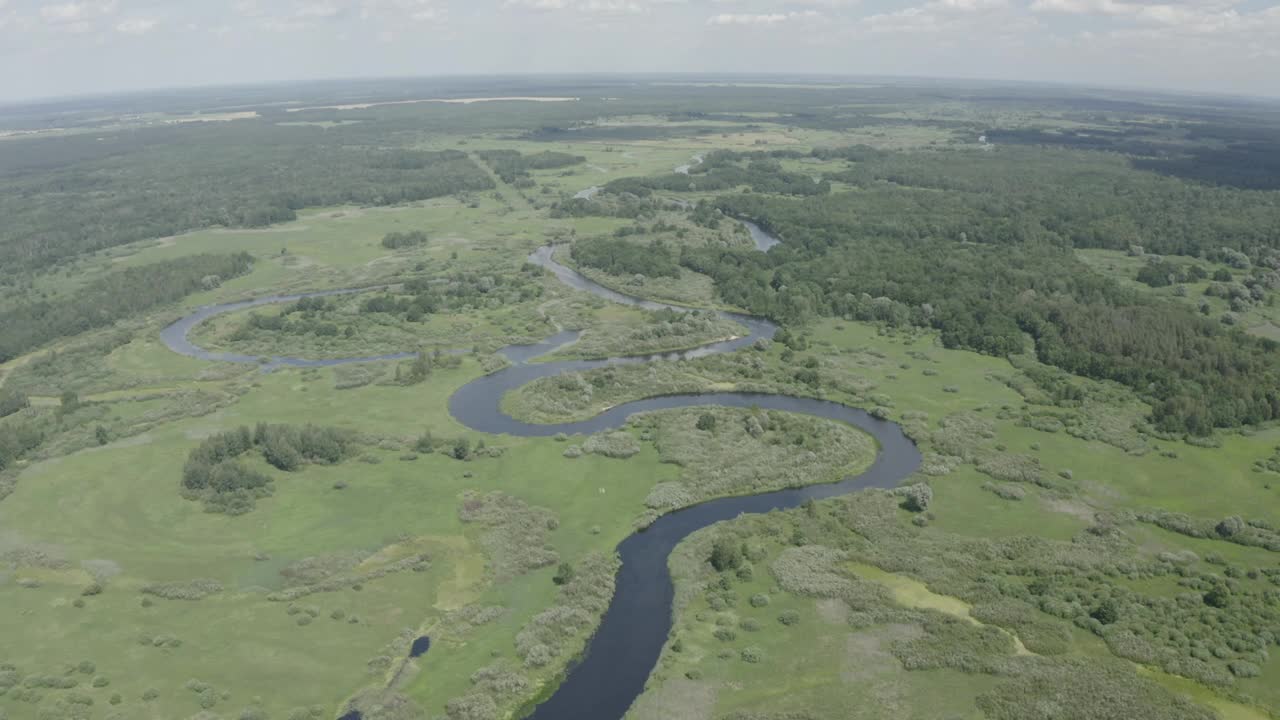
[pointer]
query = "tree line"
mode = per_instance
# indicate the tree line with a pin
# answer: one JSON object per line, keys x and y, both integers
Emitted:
{"x": 113, "y": 297}
{"x": 956, "y": 262}
{"x": 514, "y": 168}
{"x": 168, "y": 181}
{"x": 726, "y": 170}
{"x": 618, "y": 256}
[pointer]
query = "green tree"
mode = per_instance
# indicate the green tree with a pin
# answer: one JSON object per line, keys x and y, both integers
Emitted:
{"x": 725, "y": 554}
{"x": 564, "y": 574}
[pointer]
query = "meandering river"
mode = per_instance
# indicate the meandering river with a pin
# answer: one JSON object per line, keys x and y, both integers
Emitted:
{"x": 624, "y": 650}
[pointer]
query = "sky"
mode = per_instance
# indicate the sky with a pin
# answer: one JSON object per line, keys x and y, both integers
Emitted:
{"x": 73, "y": 47}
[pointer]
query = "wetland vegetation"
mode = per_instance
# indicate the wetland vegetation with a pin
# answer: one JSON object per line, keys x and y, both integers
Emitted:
{"x": 1067, "y": 304}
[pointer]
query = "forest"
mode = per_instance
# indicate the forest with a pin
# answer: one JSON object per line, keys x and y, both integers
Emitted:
{"x": 174, "y": 181}
{"x": 989, "y": 261}
{"x": 725, "y": 170}
{"x": 115, "y": 296}
{"x": 983, "y": 281}
{"x": 623, "y": 257}
{"x": 514, "y": 167}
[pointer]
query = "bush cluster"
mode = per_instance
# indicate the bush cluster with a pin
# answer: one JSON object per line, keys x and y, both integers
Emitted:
{"x": 213, "y": 472}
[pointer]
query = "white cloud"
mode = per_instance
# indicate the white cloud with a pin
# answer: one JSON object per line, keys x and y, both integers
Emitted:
{"x": 69, "y": 13}
{"x": 818, "y": 3}
{"x": 137, "y": 26}
{"x": 317, "y": 10}
{"x": 249, "y": 8}
{"x": 396, "y": 10}
{"x": 415, "y": 10}
{"x": 967, "y": 5}
{"x": 537, "y": 4}
{"x": 759, "y": 18}
{"x": 611, "y": 6}
{"x": 1162, "y": 22}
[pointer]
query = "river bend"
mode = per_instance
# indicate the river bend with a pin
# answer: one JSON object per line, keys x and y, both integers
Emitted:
{"x": 622, "y": 653}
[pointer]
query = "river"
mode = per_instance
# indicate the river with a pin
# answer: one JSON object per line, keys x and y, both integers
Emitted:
{"x": 624, "y": 650}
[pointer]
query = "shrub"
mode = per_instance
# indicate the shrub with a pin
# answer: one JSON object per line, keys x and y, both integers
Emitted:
{"x": 1012, "y": 468}
{"x": 1106, "y": 613}
{"x": 917, "y": 498}
{"x": 725, "y": 554}
{"x": 789, "y": 617}
{"x": 759, "y": 600}
{"x": 809, "y": 570}
{"x": 397, "y": 240}
{"x": 1089, "y": 689}
{"x": 184, "y": 590}
{"x": 1230, "y": 527}
{"x": 725, "y": 634}
{"x": 752, "y": 654}
{"x": 1005, "y": 491}
{"x": 618, "y": 444}
{"x": 564, "y": 574}
{"x": 1244, "y": 669}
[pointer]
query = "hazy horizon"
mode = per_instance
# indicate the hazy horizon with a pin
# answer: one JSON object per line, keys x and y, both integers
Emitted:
{"x": 90, "y": 47}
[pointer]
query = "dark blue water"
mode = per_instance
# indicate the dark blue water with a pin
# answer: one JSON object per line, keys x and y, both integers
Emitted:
{"x": 420, "y": 647}
{"x": 622, "y": 653}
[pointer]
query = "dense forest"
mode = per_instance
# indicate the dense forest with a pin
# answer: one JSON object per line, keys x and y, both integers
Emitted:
{"x": 623, "y": 257}
{"x": 115, "y": 296}
{"x": 979, "y": 245}
{"x": 1241, "y": 155}
{"x": 985, "y": 279}
{"x": 177, "y": 181}
{"x": 726, "y": 170}
{"x": 1077, "y": 199}
{"x": 515, "y": 168}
